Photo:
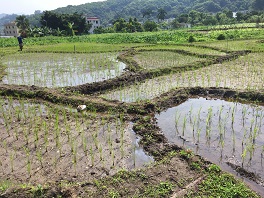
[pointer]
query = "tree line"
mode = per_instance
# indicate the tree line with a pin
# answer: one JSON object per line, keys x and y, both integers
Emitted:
{"x": 52, "y": 23}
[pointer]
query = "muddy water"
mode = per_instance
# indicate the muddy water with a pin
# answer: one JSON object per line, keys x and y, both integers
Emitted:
{"x": 59, "y": 70}
{"x": 223, "y": 132}
{"x": 140, "y": 158}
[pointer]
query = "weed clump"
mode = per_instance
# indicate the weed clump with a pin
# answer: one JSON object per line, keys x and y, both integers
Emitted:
{"x": 221, "y": 37}
{"x": 191, "y": 39}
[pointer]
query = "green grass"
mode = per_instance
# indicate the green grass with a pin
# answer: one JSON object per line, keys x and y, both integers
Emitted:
{"x": 171, "y": 36}
{"x": 80, "y": 47}
{"x": 4, "y": 185}
{"x": 233, "y": 45}
{"x": 218, "y": 184}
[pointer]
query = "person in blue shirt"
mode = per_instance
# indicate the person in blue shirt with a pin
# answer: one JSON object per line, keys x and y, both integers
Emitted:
{"x": 20, "y": 42}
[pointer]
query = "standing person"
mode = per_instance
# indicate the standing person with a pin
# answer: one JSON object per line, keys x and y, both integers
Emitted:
{"x": 20, "y": 42}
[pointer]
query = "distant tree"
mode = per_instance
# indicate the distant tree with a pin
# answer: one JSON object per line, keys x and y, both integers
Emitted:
{"x": 183, "y": 18}
{"x": 34, "y": 32}
{"x": 194, "y": 17}
{"x": 22, "y": 24}
{"x": 52, "y": 20}
{"x": 70, "y": 29}
{"x": 120, "y": 25}
{"x": 147, "y": 13}
{"x": 228, "y": 13}
{"x": 240, "y": 16}
{"x": 164, "y": 25}
{"x": 101, "y": 30}
{"x": 175, "y": 24}
{"x": 65, "y": 22}
{"x": 58, "y": 32}
{"x": 132, "y": 25}
{"x": 211, "y": 6}
{"x": 136, "y": 25}
{"x": 80, "y": 26}
{"x": 210, "y": 20}
{"x": 255, "y": 19}
{"x": 222, "y": 18}
{"x": 258, "y": 5}
{"x": 161, "y": 14}
{"x": 150, "y": 26}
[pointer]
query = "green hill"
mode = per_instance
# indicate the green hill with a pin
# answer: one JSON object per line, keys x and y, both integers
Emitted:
{"x": 113, "y": 9}
{"x": 110, "y": 10}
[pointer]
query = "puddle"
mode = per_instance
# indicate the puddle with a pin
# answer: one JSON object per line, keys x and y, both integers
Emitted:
{"x": 223, "y": 132}
{"x": 140, "y": 157}
{"x": 60, "y": 70}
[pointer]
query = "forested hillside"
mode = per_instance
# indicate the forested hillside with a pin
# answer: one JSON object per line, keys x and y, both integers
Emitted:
{"x": 113, "y": 9}
{"x": 110, "y": 10}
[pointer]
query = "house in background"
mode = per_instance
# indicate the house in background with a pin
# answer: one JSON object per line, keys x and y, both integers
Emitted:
{"x": 95, "y": 23}
{"x": 10, "y": 29}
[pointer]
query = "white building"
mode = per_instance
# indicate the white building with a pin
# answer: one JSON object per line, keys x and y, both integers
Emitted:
{"x": 10, "y": 29}
{"x": 95, "y": 23}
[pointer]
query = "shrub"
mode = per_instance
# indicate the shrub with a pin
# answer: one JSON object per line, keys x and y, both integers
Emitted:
{"x": 221, "y": 37}
{"x": 191, "y": 39}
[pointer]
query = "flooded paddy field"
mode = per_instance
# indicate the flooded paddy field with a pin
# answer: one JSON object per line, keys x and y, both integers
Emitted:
{"x": 187, "y": 48}
{"x": 137, "y": 136}
{"x": 157, "y": 59}
{"x": 60, "y": 70}
{"x": 246, "y": 72}
{"x": 226, "y": 133}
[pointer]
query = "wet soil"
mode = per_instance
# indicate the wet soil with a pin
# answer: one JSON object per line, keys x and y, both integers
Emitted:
{"x": 220, "y": 131}
{"x": 143, "y": 116}
{"x": 152, "y": 139}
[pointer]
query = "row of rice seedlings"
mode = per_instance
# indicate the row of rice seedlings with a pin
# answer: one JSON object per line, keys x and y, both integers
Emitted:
{"x": 192, "y": 49}
{"x": 243, "y": 73}
{"x": 233, "y": 45}
{"x": 242, "y": 125}
{"x": 159, "y": 59}
{"x": 43, "y": 132}
{"x": 60, "y": 71}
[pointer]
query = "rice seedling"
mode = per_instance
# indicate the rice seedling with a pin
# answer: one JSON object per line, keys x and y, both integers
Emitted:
{"x": 12, "y": 156}
{"x": 54, "y": 70}
{"x": 239, "y": 74}
{"x": 48, "y": 133}
{"x": 219, "y": 121}
{"x": 158, "y": 59}
{"x": 40, "y": 157}
{"x": 92, "y": 155}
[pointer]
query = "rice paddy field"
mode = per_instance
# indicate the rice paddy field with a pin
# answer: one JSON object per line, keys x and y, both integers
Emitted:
{"x": 60, "y": 70}
{"x": 155, "y": 116}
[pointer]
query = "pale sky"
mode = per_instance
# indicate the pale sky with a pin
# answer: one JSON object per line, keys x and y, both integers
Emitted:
{"x": 29, "y": 6}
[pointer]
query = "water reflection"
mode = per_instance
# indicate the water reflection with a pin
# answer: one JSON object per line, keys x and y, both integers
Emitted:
{"x": 224, "y": 132}
{"x": 61, "y": 70}
{"x": 140, "y": 158}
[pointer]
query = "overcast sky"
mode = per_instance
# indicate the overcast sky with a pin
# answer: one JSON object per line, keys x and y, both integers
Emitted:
{"x": 29, "y": 6}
